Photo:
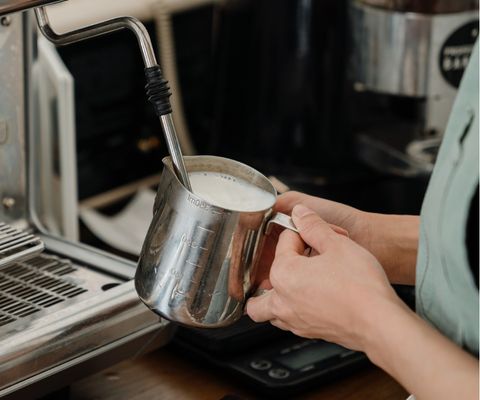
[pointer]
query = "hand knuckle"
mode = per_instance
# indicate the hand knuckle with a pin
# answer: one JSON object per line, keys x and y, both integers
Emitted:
{"x": 292, "y": 194}
{"x": 288, "y": 199}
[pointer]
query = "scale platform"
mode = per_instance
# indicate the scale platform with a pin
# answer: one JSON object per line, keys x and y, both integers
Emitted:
{"x": 272, "y": 362}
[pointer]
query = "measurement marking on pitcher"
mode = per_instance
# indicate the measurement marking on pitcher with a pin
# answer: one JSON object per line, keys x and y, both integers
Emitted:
{"x": 205, "y": 229}
{"x": 204, "y": 205}
{"x": 199, "y": 239}
{"x": 199, "y": 203}
{"x": 183, "y": 293}
{"x": 176, "y": 273}
{"x": 192, "y": 243}
{"x": 194, "y": 264}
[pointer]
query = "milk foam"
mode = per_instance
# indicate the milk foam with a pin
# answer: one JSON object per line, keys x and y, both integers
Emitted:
{"x": 229, "y": 192}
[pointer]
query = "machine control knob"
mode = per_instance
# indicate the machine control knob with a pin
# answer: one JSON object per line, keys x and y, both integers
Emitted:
{"x": 278, "y": 373}
{"x": 260, "y": 365}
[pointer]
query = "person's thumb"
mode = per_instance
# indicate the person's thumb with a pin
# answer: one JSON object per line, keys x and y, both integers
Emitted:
{"x": 314, "y": 230}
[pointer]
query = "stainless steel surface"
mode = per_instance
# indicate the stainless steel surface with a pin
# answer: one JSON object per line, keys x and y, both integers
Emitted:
{"x": 16, "y": 245}
{"x": 110, "y": 264}
{"x": 397, "y": 53}
{"x": 12, "y": 122}
{"x": 54, "y": 140}
{"x": 61, "y": 311}
{"x": 282, "y": 220}
{"x": 175, "y": 150}
{"x": 11, "y": 6}
{"x": 149, "y": 60}
{"x": 99, "y": 29}
{"x": 405, "y": 54}
{"x": 198, "y": 261}
{"x": 390, "y": 50}
{"x": 56, "y": 314}
{"x": 57, "y": 377}
{"x": 36, "y": 285}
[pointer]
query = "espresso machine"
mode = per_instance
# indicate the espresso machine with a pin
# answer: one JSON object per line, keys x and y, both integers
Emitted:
{"x": 66, "y": 309}
{"x": 407, "y": 60}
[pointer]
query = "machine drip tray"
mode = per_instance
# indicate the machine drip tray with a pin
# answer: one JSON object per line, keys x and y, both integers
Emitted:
{"x": 67, "y": 313}
{"x": 16, "y": 245}
{"x": 42, "y": 283}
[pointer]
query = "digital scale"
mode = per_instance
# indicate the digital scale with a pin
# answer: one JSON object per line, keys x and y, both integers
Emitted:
{"x": 272, "y": 361}
{"x": 269, "y": 360}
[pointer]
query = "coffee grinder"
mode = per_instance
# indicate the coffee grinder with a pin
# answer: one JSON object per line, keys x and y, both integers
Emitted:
{"x": 407, "y": 60}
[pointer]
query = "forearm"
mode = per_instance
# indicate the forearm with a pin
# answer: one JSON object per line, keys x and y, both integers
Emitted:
{"x": 426, "y": 363}
{"x": 393, "y": 239}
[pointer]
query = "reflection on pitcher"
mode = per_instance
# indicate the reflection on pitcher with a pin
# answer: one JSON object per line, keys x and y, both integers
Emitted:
{"x": 197, "y": 262}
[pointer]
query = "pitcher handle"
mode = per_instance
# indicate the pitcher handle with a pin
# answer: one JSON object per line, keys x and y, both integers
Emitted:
{"x": 282, "y": 220}
{"x": 287, "y": 222}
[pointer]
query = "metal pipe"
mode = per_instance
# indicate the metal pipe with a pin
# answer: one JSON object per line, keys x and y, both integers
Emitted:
{"x": 149, "y": 60}
{"x": 99, "y": 29}
{"x": 11, "y": 6}
{"x": 175, "y": 152}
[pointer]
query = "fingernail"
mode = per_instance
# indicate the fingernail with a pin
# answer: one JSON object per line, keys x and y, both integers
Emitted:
{"x": 301, "y": 211}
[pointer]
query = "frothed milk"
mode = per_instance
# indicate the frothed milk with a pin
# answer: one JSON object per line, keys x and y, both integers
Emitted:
{"x": 229, "y": 192}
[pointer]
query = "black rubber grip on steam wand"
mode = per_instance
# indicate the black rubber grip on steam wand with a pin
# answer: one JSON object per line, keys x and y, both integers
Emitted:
{"x": 158, "y": 91}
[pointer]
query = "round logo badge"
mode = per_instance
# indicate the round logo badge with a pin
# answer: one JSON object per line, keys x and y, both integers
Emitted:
{"x": 455, "y": 52}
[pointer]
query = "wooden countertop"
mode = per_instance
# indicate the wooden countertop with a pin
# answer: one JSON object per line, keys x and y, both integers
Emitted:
{"x": 166, "y": 375}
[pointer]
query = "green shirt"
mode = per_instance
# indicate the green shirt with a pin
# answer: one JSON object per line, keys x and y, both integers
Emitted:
{"x": 446, "y": 292}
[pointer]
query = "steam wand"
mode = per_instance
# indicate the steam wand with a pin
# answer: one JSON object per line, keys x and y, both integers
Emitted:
{"x": 157, "y": 89}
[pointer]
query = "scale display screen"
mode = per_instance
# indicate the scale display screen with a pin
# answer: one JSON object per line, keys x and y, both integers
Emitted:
{"x": 311, "y": 354}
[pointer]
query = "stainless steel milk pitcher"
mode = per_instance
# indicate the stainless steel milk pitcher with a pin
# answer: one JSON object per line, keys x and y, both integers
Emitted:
{"x": 198, "y": 262}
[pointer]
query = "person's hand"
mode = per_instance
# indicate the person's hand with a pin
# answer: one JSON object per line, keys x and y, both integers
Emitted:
{"x": 353, "y": 222}
{"x": 392, "y": 239}
{"x": 351, "y": 219}
{"x": 342, "y": 295}
{"x": 271, "y": 239}
{"x": 331, "y": 295}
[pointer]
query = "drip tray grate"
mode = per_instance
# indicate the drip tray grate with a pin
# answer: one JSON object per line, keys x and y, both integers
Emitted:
{"x": 16, "y": 245}
{"x": 36, "y": 284}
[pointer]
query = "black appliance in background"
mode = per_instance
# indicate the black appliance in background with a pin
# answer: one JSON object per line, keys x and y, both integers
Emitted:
{"x": 119, "y": 139}
{"x": 308, "y": 88}
{"x": 280, "y": 79}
